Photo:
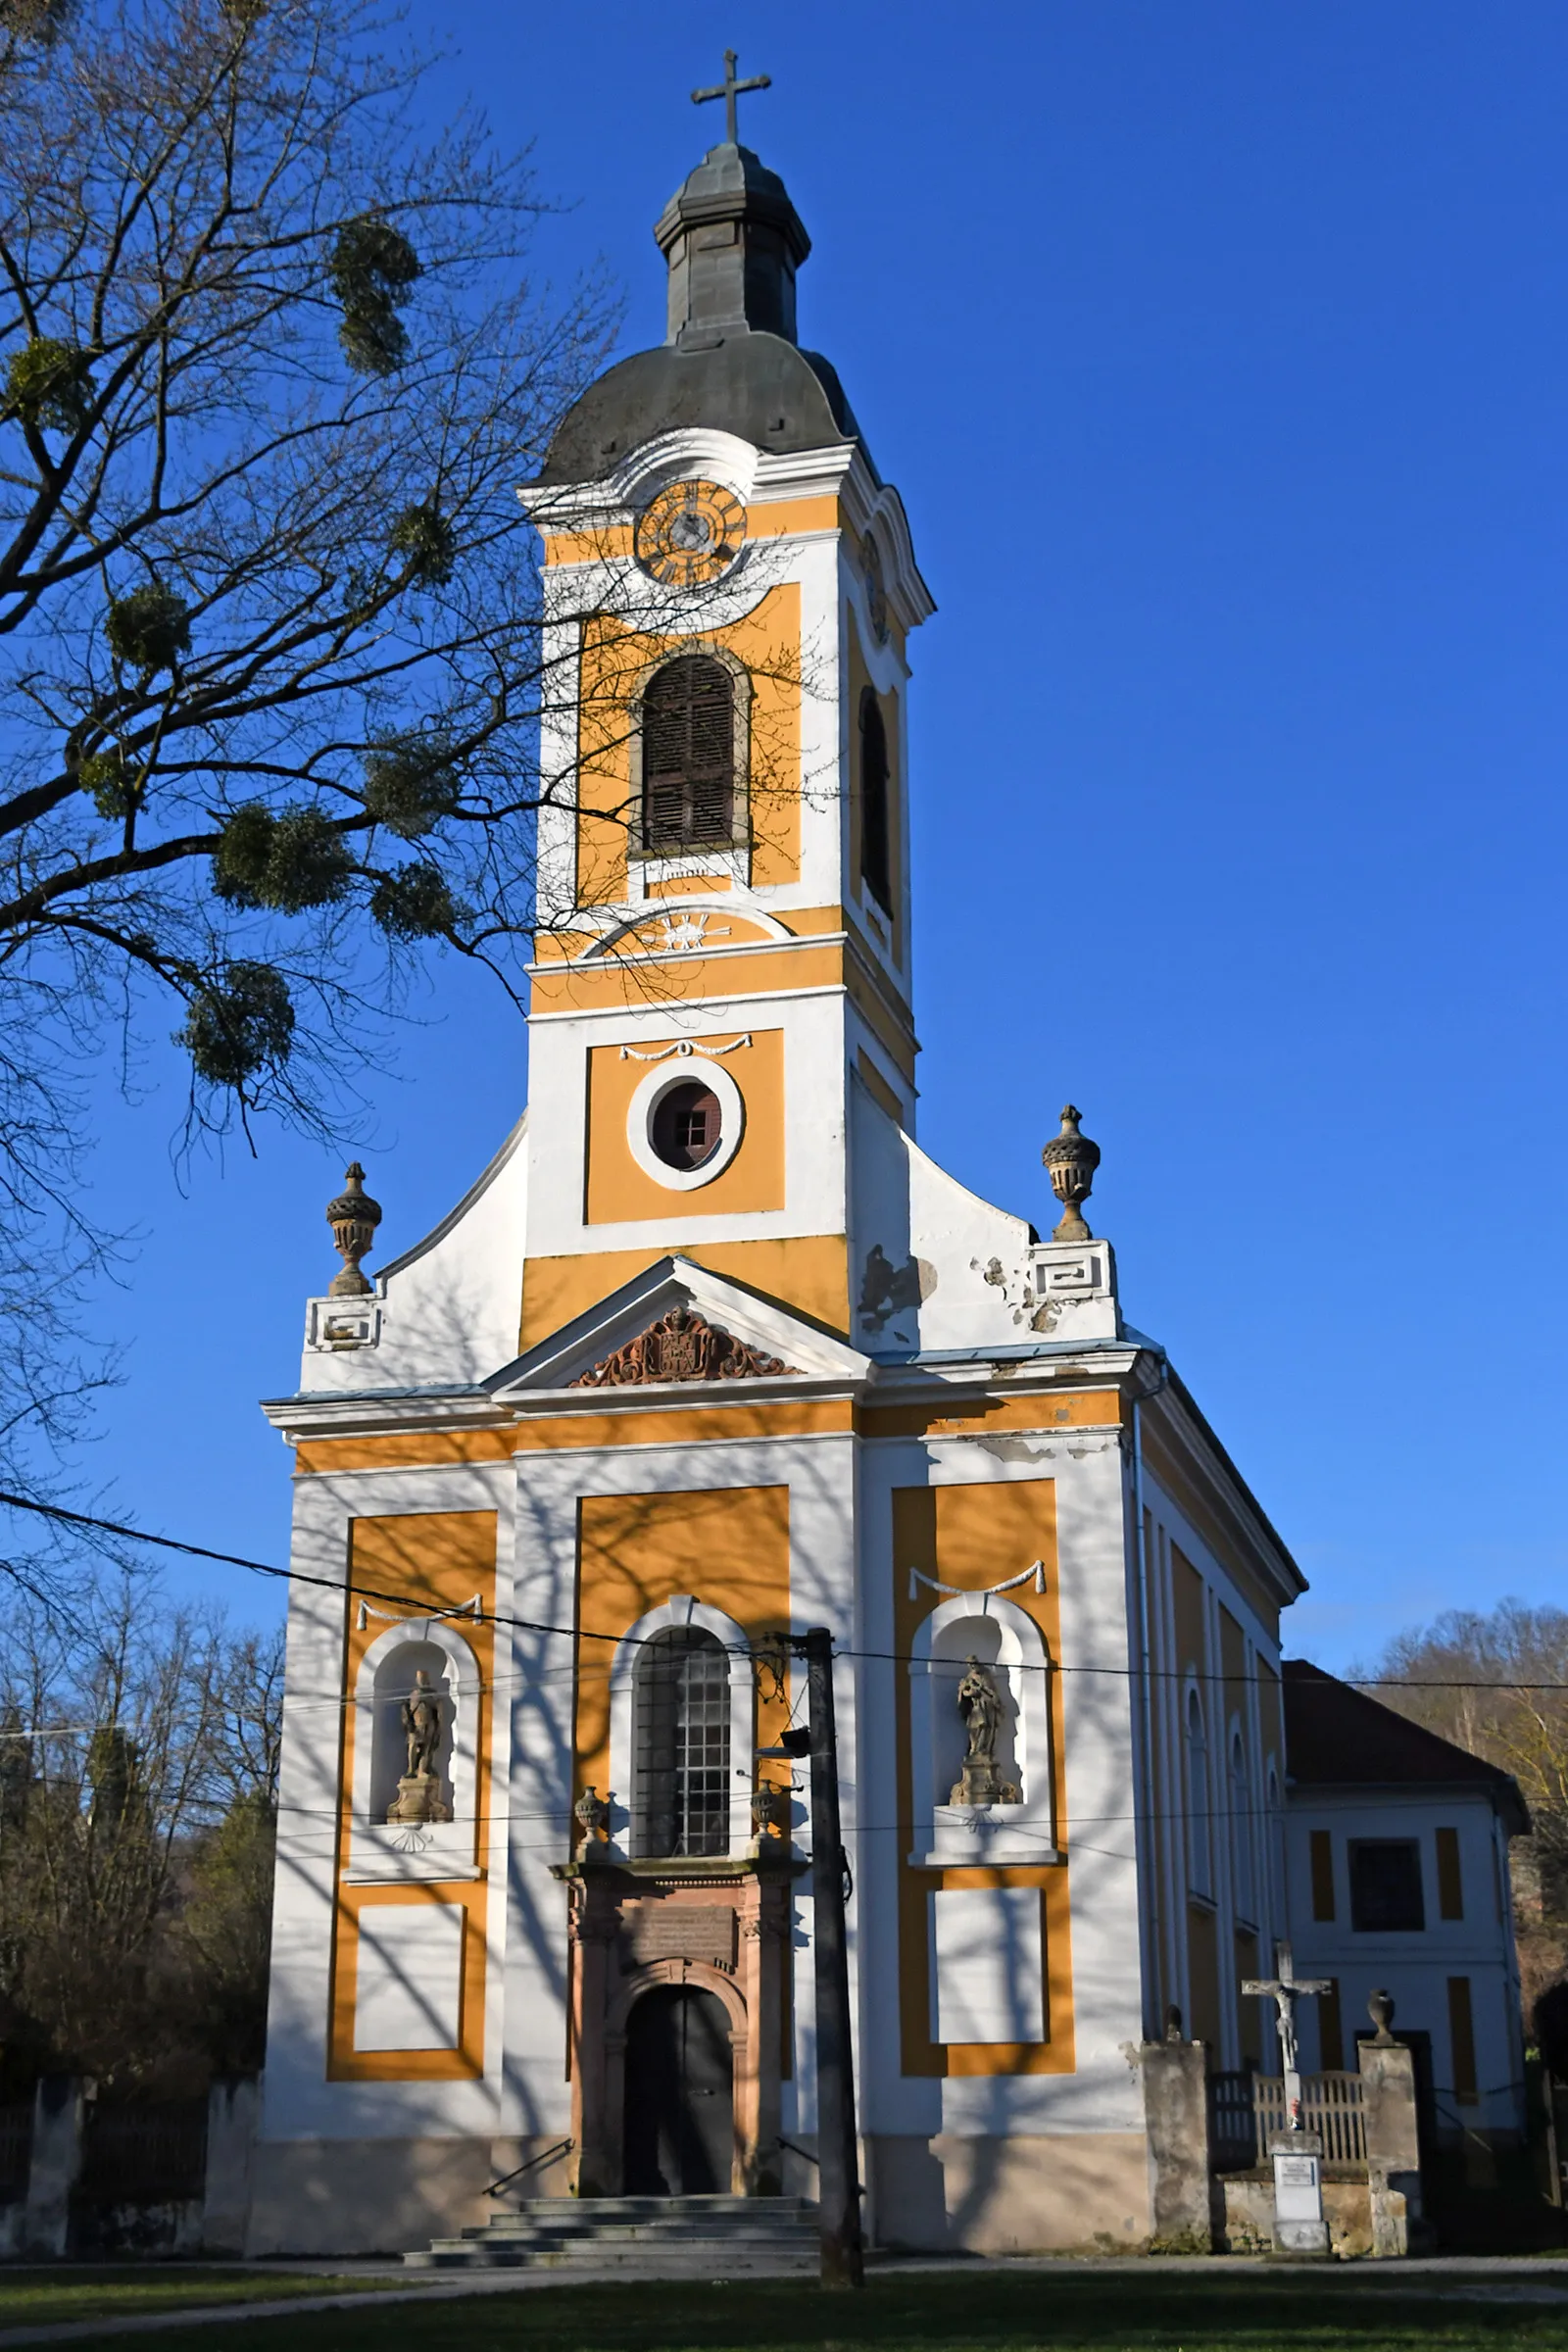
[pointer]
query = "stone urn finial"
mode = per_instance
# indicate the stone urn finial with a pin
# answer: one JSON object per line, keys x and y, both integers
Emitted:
{"x": 354, "y": 1217}
{"x": 591, "y": 1813}
{"x": 1071, "y": 1159}
{"x": 1380, "y": 2009}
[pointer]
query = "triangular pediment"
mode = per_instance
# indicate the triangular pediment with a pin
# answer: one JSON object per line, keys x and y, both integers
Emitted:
{"x": 679, "y": 1324}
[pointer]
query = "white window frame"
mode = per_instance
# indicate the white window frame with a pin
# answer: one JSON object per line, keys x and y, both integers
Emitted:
{"x": 681, "y": 1609}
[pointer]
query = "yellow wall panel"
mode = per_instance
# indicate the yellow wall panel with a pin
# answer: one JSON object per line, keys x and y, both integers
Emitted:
{"x": 618, "y": 1190}
{"x": 423, "y": 1561}
{"x": 809, "y": 1272}
{"x": 973, "y": 1537}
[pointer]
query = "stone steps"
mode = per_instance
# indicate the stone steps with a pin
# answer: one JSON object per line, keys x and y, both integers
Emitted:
{"x": 650, "y": 2237}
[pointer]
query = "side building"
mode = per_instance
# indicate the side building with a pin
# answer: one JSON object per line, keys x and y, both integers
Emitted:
{"x": 1397, "y": 1881}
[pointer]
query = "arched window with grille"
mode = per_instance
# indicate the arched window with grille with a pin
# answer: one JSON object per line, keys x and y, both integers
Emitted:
{"x": 876, "y": 864}
{"x": 688, "y": 757}
{"x": 681, "y": 1745}
{"x": 1200, "y": 1847}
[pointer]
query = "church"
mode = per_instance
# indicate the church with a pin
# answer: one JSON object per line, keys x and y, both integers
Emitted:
{"x": 711, "y": 1353}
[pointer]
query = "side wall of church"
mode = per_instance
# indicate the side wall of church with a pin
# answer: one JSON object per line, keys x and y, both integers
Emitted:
{"x": 1217, "y": 1899}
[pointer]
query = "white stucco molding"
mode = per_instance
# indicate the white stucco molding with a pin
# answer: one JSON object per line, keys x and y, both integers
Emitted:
{"x": 681, "y": 1609}
{"x": 380, "y": 1850}
{"x": 703, "y": 902}
{"x": 688, "y": 451}
{"x": 947, "y": 1833}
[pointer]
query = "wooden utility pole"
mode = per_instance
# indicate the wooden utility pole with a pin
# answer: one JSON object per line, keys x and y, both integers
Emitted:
{"x": 837, "y": 2145}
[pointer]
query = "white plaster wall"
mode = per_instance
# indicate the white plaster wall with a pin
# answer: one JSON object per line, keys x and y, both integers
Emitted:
{"x": 962, "y": 1266}
{"x": 449, "y": 1305}
{"x": 1416, "y": 1967}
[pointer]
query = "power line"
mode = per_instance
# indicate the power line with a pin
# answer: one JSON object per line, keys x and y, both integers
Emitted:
{"x": 585, "y": 1632}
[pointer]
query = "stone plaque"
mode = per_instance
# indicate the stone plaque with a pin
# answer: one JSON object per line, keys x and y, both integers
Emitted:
{"x": 667, "y": 1931}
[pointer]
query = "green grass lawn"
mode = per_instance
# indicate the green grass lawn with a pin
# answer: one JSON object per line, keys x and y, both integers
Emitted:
{"x": 947, "y": 2311}
{"x": 37, "y": 2298}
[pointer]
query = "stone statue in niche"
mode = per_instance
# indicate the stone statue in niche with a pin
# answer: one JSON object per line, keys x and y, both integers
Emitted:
{"x": 418, "y": 1796}
{"x": 980, "y": 1703}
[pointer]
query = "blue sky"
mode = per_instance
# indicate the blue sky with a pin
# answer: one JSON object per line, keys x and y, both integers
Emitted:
{"x": 1218, "y": 353}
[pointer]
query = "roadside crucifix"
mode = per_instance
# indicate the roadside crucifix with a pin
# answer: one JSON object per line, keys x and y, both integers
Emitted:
{"x": 1285, "y": 1990}
{"x": 729, "y": 89}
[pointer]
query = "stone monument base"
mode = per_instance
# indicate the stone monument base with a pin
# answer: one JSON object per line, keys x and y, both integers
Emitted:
{"x": 1299, "y": 2229}
{"x": 419, "y": 1799}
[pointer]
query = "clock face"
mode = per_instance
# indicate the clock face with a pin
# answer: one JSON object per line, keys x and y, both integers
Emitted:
{"x": 691, "y": 533}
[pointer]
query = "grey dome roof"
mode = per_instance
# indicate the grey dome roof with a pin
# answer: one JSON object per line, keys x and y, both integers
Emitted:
{"x": 732, "y": 242}
{"x": 759, "y": 387}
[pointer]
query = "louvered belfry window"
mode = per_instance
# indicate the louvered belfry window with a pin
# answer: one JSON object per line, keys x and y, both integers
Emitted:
{"x": 876, "y": 816}
{"x": 680, "y": 1743}
{"x": 688, "y": 756}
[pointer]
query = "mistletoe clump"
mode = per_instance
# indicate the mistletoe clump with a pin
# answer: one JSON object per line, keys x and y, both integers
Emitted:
{"x": 288, "y": 862}
{"x": 372, "y": 268}
{"x": 149, "y": 629}
{"x": 111, "y": 782}
{"x": 237, "y": 1023}
{"x": 425, "y": 539}
{"x": 410, "y": 785}
{"x": 49, "y": 385}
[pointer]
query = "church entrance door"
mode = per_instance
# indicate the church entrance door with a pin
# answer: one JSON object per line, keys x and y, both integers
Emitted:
{"x": 680, "y": 2130}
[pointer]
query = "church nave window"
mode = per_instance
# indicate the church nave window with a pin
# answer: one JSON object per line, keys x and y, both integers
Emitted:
{"x": 1201, "y": 1852}
{"x": 1243, "y": 1887}
{"x": 688, "y": 757}
{"x": 681, "y": 1744}
{"x": 875, "y": 826}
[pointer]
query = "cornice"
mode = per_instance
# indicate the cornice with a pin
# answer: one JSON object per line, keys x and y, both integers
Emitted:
{"x": 1174, "y": 1426}
{"x": 758, "y": 478}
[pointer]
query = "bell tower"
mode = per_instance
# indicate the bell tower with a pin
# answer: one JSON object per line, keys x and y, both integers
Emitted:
{"x": 724, "y": 935}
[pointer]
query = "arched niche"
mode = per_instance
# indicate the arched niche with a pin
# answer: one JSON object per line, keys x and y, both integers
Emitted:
{"x": 681, "y": 1609}
{"x": 432, "y": 1849}
{"x": 1006, "y": 1640}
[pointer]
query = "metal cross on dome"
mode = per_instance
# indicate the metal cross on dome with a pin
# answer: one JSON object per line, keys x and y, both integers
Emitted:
{"x": 729, "y": 89}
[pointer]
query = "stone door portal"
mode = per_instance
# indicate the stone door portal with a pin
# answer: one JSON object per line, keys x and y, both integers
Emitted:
{"x": 680, "y": 2130}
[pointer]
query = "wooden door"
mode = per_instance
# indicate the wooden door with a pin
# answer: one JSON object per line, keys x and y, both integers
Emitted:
{"x": 680, "y": 2094}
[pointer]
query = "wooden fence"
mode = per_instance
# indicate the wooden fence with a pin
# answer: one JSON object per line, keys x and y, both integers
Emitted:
{"x": 1246, "y": 2109}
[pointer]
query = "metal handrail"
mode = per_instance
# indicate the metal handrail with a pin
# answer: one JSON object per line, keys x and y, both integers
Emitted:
{"x": 805, "y": 2153}
{"x": 562, "y": 2147}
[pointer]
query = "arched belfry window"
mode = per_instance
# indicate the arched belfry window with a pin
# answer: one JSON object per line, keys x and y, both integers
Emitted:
{"x": 875, "y": 857}
{"x": 688, "y": 756}
{"x": 681, "y": 1745}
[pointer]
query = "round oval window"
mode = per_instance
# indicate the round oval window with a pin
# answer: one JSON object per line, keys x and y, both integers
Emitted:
{"x": 685, "y": 1126}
